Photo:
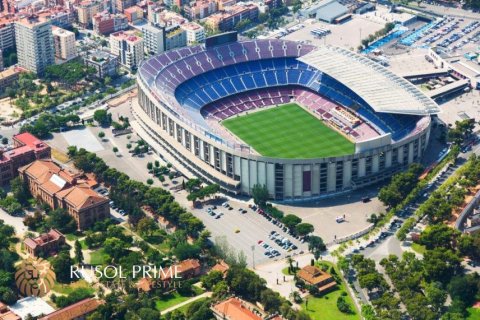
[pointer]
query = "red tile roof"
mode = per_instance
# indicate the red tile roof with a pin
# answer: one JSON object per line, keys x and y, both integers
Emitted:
{"x": 75, "y": 310}
{"x": 235, "y": 309}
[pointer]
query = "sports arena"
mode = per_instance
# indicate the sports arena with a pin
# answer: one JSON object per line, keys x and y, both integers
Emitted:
{"x": 305, "y": 121}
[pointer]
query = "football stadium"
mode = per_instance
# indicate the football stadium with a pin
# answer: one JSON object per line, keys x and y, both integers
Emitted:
{"x": 304, "y": 121}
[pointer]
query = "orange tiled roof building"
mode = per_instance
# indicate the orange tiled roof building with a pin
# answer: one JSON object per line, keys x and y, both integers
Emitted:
{"x": 76, "y": 311}
{"x": 234, "y": 309}
{"x": 7, "y": 314}
{"x": 45, "y": 244}
{"x": 316, "y": 277}
{"x": 67, "y": 189}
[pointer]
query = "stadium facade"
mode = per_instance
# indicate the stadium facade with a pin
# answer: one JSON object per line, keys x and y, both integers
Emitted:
{"x": 183, "y": 95}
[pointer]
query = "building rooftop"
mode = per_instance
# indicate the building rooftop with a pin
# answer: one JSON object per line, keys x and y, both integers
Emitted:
{"x": 191, "y": 26}
{"x": 127, "y": 36}
{"x": 52, "y": 235}
{"x": 377, "y": 86}
{"x": 31, "y": 141}
{"x": 235, "y": 309}
{"x": 34, "y": 306}
{"x": 74, "y": 311}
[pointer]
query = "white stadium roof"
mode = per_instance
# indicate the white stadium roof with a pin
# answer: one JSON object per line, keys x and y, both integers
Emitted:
{"x": 380, "y": 88}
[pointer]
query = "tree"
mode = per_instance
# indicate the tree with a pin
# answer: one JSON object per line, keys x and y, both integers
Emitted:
{"x": 316, "y": 246}
{"x": 187, "y": 251}
{"x": 438, "y": 235}
{"x": 343, "y": 305}
{"x": 211, "y": 279}
{"x": 115, "y": 248}
{"x": 4, "y": 140}
{"x": 61, "y": 266}
{"x": 20, "y": 190}
{"x": 78, "y": 252}
{"x": 291, "y": 221}
{"x": 463, "y": 288}
{"x": 441, "y": 264}
{"x": 102, "y": 117}
{"x": 101, "y": 134}
{"x": 61, "y": 220}
{"x": 149, "y": 166}
{"x": 436, "y": 295}
{"x": 115, "y": 149}
{"x": 260, "y": 195}
{"x": 146, "y": 226}
{"x": 302, "y": 229}
{"x": 193, "y": 184}
{"x": 149, "y": 181}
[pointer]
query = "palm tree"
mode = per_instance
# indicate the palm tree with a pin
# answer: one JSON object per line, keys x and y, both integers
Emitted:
{"x": 290, "y": 265}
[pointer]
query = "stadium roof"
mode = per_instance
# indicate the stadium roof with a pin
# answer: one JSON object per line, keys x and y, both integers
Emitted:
{"x": 380, "y": 88}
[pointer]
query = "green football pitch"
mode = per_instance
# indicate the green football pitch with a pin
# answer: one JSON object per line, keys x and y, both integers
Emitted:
{"x": 289, "y": 131}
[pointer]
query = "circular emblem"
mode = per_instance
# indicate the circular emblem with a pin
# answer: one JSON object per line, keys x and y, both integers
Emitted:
{"x": 34, "y": 277}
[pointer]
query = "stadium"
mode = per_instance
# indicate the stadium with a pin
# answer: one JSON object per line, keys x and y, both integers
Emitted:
{"x": 305, "y": 121}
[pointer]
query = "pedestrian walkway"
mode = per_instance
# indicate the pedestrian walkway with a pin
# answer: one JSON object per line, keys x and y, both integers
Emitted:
{"x": 203, "y": 295}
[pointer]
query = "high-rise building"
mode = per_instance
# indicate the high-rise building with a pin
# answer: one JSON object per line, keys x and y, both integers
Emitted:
{"x": 35, "y": 46}
{"x": 87, "y": 9}
{"x": 154, "y": 39}
{"x": 7, "y": 34}
{"x": 162, "y": 38}
{"x": 64, "y": 41}
{"x": 195, "y": 33}
{"x": 128, "y": 47}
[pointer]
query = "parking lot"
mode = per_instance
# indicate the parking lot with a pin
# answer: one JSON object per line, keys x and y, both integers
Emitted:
{"x": 247, "y": 229}
{"x": 347, "y": 35}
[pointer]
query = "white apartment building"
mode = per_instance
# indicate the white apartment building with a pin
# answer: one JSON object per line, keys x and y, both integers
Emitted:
{"x": 195, "y": 33}
{"x": 128, "y": 48}
{"x": 35, "y": 45}
{"x": 64, "y": 41}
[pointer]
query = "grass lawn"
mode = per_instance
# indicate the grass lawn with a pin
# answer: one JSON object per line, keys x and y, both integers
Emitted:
{"x": 418, "y": 248}
{"x": 83, "y": 244}
{"x": 167, "y": 301}
{"x": 289, "y": 131}
{"x": 474, "y": 314}
{"x": 98, "y": 257}
{"x": 71, "y": 237}
{"x": 184, "y": 308}
{"x": 325, "y": 307}
{"x": 59, "y": 156}
{"x": 68, "y": 288}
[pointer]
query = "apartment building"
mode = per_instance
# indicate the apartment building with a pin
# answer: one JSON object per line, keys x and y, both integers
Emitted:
{"x": 106, "y": 23}
{"x": 195, "y": 33}
{"x": 134, "y": 14}
{"x": 128, "y": 47}
{"x": 227, "y": 19}
{"x": 105, "y": 63}
{"x": 162, "y": 38}
{"x": 68, "y": 189}
{"x": 121, "y": 5}
{"x": 7, "y": 33}
{"x": 35, "y": 45}
{"x": 200, "y": 9}
{"x": 64, "y": 41}
{"x": 87, "y": 9}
